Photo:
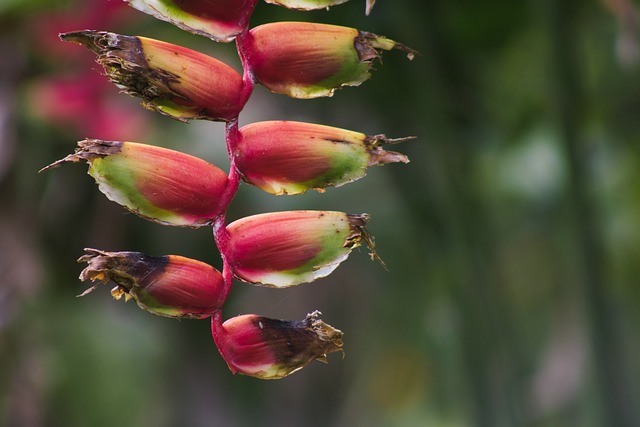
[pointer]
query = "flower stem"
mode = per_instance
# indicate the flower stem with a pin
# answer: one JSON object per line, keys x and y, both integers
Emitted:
{"x": 218, "y": 333}
{"x": 248, "y": 81}
{"x": 220, "y": 233}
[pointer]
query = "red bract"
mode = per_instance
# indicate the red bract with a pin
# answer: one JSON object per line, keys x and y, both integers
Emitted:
{"x": 220, "y": 20}
{"x": 271, "y": 349}
{"x": 161, "y": 185}
{"x": 276, "y": 249}
{"x": 292, "y": 157}
{"x": 308, "y": 60}
{"x": 171, "y": 79}
{"x": 171, "y": 286}
{"x": 283, "y": 249}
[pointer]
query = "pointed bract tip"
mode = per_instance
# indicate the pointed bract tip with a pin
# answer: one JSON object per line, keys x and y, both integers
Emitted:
{"x": 96, "y": 41}
{"x": 97, "y": 263}
{"x": 325, "y": 332}
{"x": 57, "y": 163}
{"x": 369, "y": 6}
{"x": 88, "y": 149}
{"x": 382, "y": 139}
{"x": 368, "y": 43}
{"x": 378, "y": 156}
{"x": 360, "y": 233}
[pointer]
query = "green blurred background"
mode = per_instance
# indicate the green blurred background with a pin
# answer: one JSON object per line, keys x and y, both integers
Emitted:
{"x": 512, "y": 238}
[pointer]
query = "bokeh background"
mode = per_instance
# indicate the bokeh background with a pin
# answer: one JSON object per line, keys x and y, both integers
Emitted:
{"x": 512, "y": 238}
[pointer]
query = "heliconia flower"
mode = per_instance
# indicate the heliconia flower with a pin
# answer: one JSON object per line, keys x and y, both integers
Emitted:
{"x": 271, "y": 349}
{"x": 284, "y": 157}
{"x": 85, "y": 104}
{"x": 158, "y": 184}
{"x": 173, "y": 80}
{"x": 171, "y": 286}
{"x": 220, "y": 20}
{"x": 308, "y": 60}
{"x": 281, "y": 249}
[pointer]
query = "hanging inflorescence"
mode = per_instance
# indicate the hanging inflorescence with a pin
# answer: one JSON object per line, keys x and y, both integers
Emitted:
{"x": 278, "y": 249}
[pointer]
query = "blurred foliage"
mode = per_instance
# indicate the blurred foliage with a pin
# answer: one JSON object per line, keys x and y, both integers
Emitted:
{"x": 512, "y": 238}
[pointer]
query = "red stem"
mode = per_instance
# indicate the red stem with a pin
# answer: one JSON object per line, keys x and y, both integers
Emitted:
{"x": 243, "y": 40}
{"x": 220, "y": 232}
{"x": 231, "y": 138}
{"x": 216, "y": 327}
{"x": 218, "y": 333}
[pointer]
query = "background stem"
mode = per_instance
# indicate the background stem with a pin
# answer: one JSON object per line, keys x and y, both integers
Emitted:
{"x": 607, "y": 355}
